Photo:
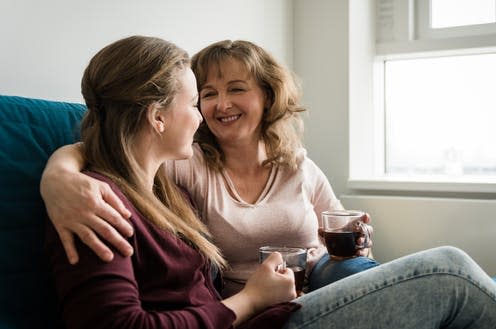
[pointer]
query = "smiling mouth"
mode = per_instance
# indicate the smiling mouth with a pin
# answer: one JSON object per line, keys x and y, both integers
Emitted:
{"x": 230, "y": 118}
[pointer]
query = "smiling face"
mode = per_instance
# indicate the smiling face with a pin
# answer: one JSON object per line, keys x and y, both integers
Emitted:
{"x": 232, "y": 103}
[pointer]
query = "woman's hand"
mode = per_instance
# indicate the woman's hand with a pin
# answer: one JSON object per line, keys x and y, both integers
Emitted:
{"x": 365, "y": 252}
{"x": 269, "y": 285}
{"x": 78, "y": 204}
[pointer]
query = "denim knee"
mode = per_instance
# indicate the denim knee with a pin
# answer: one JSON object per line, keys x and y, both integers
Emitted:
{"x": 327, "y": 271}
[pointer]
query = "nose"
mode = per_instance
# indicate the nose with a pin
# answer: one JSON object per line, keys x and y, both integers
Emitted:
{"x": 223, "y": 102}
{"x": 200, "y": 117}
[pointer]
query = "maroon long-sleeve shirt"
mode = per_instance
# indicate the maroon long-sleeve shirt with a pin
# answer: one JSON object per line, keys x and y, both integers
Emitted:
{"x": 165, "y": 284}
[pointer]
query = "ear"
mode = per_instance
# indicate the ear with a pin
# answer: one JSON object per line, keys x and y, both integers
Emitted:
{"x": 268, "y": 99}
{"x": 156, "y": 118}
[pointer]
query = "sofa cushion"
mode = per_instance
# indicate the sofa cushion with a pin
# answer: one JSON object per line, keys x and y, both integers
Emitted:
{"x": 30, "y": 130}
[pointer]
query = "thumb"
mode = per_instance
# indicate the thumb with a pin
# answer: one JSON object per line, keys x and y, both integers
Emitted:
{"x": 366, "y": 218}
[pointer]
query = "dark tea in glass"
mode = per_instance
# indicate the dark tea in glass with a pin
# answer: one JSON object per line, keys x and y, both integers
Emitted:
{"x": 295, "y": 258}
{"x": 342, "y": 229}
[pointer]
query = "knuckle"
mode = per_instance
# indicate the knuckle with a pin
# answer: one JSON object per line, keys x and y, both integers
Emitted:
{"x": 106, "y": 232}
{"x": 86, "y": 236}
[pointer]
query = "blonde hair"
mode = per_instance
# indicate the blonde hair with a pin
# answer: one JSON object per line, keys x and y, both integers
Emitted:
{"x": 118, "y": 85}
{"x": 282, "y": 126}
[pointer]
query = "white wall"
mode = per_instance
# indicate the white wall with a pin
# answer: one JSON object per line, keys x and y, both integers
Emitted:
{"x": 45, "y": 45}
{"x": 321, "y": 61}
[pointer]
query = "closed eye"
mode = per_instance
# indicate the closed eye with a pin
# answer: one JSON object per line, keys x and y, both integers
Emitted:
{"x": 207, "y": 94}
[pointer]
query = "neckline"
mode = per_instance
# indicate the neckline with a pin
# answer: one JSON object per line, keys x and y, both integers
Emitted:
{"x": 233, "y": 193}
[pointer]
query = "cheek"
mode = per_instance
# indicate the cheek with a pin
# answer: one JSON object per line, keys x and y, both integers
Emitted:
{"x": 206, "y": 108}
{"x": 257, "y": 107}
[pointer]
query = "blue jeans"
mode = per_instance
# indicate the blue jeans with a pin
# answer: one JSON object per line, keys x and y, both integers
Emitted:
{"x": 437, "y": 288}
{"x": 327, "y": 271}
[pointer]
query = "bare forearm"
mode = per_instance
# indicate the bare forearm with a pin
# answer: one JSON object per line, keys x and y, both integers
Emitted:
{"x": 241, "y": 306}
{"x": 68, "y": 158}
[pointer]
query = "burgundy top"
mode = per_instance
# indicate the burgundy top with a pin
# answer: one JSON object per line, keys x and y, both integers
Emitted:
{"x": 164, "y": 284}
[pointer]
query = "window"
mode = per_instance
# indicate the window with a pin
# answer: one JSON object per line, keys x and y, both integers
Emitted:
{"x": 449, "y": 13}
{"x": 437, "y": 19}
{"x": 425, "y": 88}
{"x": 440, "y": 116}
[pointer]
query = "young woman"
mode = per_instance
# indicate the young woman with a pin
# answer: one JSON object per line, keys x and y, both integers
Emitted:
{"x": 249, "y": 176}
{"x": 141, "y": 100}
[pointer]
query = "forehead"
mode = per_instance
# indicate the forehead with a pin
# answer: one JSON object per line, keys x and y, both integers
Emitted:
{"x": 228, "y": 69}
{"x": 187, "y": 82}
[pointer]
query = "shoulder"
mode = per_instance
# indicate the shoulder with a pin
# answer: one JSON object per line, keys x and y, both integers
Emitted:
{"x": 113, "y": 186}
{"x": 306, "y": 164}
{"x": 102, "y": 178}
{"x": 308, "y": 171}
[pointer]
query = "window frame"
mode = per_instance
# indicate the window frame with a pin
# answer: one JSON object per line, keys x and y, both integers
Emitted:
{"x": 423, "y": 28}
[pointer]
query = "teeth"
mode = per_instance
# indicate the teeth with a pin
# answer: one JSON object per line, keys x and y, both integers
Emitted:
{"x": 230, "y": 118}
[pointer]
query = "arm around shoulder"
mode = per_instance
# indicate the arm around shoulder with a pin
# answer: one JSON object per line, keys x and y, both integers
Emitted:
{"x": 77, "y": 203}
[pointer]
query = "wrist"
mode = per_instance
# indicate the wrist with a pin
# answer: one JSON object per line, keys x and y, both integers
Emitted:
{"x": 243, "y": 305}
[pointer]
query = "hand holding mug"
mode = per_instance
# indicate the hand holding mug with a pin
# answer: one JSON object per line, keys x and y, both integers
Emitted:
{"x": 346, "y": 233}
{"x": 269, "y": 284}
{"x": 294, "y": 258}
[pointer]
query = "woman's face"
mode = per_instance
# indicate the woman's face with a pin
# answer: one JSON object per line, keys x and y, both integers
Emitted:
{"x": 181, "y": 119}
{"x": 232, "y": 104}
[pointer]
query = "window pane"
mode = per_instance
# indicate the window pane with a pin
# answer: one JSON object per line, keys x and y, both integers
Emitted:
{"x": 441, "y": 116}
{"x": 449, "y": 13}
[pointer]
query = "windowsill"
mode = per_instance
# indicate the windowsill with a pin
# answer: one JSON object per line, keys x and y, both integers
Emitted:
{"x": 426, "y": 184}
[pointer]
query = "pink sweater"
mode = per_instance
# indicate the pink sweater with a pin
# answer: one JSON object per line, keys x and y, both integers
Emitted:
{"x": 287, "y": 212}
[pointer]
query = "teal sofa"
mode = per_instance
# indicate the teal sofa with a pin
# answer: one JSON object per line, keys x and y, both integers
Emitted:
{"x": 30, "y": 130}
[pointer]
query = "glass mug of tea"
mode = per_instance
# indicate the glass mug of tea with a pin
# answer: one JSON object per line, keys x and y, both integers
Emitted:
{"x": 342, "y": 232}
{"x": 294, "y": 258}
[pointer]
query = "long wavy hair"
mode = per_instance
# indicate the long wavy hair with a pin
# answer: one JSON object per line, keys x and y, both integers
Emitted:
{"x": 121, "y": 81}
{"x": 281, "y": 126}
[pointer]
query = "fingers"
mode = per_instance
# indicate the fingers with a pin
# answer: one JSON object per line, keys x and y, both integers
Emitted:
{"x": 363, "y": 252}
{"x": 105, "y": 217}
{"x": 114, "y": 218}
{"x": 321, "y": 232}
{"x": 68, "y": 242}
{"x": 115, "y": 212}
{"x": 366, "y": 218}
{"x": 281, "y": 268}
{"x": 273, "y": 260}
{"x": 108, "y": 233}
{"x": 89, "y": 238}
{"x": 277, "y": 264}
{"x": 362, "y": 240}
{"x": 366, "y": 243}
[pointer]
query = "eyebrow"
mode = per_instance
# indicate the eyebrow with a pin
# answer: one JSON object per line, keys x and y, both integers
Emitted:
{"x": 228, "y": 82}
{"x": 234, "y": 81}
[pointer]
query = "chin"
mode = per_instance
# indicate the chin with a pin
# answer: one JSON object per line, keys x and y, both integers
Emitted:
{"x": 186, "y": 154}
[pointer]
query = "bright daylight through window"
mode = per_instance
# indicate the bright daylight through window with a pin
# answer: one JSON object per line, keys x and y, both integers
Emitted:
{"x": 441, "y": 116}
{"x": 450, "y": 13}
